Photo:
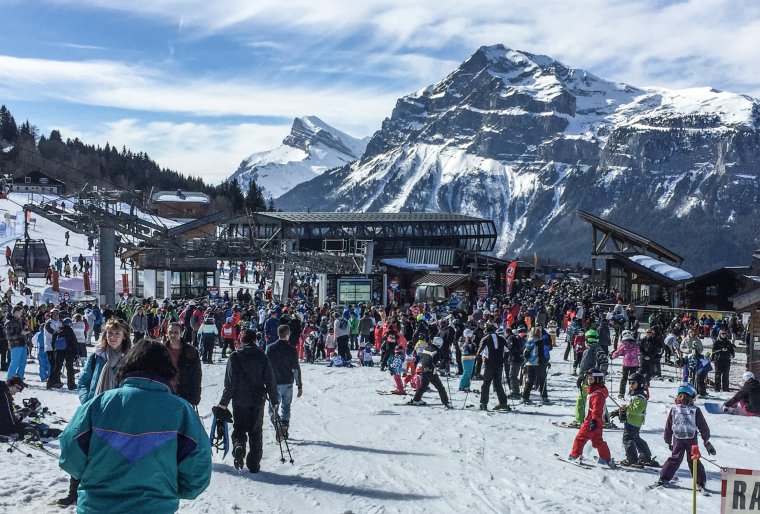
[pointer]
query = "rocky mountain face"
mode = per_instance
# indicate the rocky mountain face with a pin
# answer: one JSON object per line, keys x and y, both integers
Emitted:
{"x": 527, "y": 141}
{"x": 311, "y": 148}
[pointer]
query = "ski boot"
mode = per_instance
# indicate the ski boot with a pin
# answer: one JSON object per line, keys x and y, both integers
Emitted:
{"x": 284, "y": 426}
{"x": 574, "y": 424}
{"x": 609, "y": 463}
{"x": 448, "y": 406}
{"x": 503, "y": 407}
{"x": 527, "y": 401}
{"x": 71, "y": 498}
{"x": 545, "y": 401}
{"x": 417, "y": 403}
{"x": 651, "y": 463}
{"x": 239, "y": 454}
{"x": 483, "y": 406}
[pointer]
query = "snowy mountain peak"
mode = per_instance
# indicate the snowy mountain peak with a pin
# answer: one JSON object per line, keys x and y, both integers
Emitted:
{"x": 311, "y": 148}
{"x": 526, "y": 140}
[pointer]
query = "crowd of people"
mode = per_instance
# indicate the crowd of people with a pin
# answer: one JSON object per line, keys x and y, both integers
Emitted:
{"x": 148, "y": 349}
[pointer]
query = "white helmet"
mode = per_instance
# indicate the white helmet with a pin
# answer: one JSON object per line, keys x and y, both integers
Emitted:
{"x": 628, "y": 336}
{"x": 438, "y": 341}
{"x": 468, "y": 332}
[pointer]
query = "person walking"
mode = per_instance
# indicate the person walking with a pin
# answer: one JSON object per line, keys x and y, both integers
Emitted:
{"x": 493, "y": 348}
{"x": 248, "y": 381}
{"x": 723, "y": 352}
{"x": 168, "y": 457}
{"x": 16, "y": 333}
{"x": 284, "y": 360}
{"x": 186, "y": 359}
{"x": 139, "y": 324}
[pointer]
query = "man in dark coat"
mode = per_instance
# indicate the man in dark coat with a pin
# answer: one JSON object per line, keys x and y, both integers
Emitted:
{"x": 248, "y": 382}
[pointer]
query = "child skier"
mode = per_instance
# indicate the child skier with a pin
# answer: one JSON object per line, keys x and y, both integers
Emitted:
{"x": 431, "y": 358}
{"x": 592, "y": 428}
{"x": 229, "y": 334}
{"x": 684, "y": 421}
{"x": 637, "y": 451}
{"x": 630, "y": 352}
{"x": 469, "y": 350}
{"x": 365, "y": 355}
{"x": 395, "y": 368}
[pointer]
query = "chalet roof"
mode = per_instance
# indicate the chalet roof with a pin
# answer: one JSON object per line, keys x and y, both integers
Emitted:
{"x": 629, "y": 236}
{"x": 180, "y": 196}
{"x": 35, "y": 177}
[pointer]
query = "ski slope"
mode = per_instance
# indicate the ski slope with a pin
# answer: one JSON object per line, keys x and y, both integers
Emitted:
{"x": 355, "y": 451}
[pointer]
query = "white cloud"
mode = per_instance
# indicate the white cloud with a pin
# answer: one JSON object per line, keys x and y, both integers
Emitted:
{"x": 210, "y": 151}
{"x": 114, "y": 84}
{"x": 637, "y": 41}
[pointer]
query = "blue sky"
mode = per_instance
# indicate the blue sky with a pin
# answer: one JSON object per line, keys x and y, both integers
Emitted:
{"x": 201, "y": 85}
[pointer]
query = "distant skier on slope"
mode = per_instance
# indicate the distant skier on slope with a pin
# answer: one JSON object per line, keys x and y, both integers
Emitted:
{"x": 431, "y": 358}
{"x": 592, "y": 428}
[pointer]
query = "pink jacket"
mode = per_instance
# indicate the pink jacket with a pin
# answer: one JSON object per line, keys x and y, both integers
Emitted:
{"x": 630, "y": 352}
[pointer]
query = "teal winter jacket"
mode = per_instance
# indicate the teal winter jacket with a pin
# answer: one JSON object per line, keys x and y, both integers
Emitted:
{"x": 137, "y": 449}
{"x": 88, "y": 379}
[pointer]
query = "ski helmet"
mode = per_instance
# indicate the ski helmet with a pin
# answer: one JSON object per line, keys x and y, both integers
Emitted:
{"x": 748, "y": 375}
{"x": 627, "y": 336}
{"x": 687, "y": 389}
{"x": 594, "y": 372}
{"x": 438, "y": 341}
{"x": 638, "y": 378}
{"x": 592, "y": 336}
{"x": 229, "y": 320}
{"x": 468, "y": 332}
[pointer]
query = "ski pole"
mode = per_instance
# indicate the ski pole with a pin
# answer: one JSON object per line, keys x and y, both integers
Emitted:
{"x": 278, "y": 431}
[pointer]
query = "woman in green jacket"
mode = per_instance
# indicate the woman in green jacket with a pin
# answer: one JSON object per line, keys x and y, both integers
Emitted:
{"x": 138, "y": 448}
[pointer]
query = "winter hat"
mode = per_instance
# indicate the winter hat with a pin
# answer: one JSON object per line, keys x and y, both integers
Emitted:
{"x": 67, "y": 322}
{"x": 748, "y": 375}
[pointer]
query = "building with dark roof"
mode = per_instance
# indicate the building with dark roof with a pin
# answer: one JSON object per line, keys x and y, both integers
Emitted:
{"x": 37, "y": 182}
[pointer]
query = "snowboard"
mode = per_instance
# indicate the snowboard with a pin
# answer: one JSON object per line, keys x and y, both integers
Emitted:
{"x": 714, "y": 408}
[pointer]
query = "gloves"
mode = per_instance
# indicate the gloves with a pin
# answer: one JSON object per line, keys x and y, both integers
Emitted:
{"x": 724, "y": 408}
{"x": 579, "y": 382}
{"x": 300, "y": 392}
{"x": 710, "y": 448}
{"x": 593, "y": 425}
{"x": 615, "y": 413}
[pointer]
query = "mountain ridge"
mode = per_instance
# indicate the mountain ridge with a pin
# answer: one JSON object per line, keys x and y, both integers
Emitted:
{"x": 526, "y": 140}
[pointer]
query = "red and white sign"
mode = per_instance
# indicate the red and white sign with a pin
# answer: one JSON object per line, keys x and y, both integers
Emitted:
{"x": 740, "y": 491}
{"x": 509, "y": 278}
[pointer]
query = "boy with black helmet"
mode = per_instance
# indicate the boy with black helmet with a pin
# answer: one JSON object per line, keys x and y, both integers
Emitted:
{"x": 632, "y": 415}
{"x": 592, "y": 428}
{"x": 684, "y": 421}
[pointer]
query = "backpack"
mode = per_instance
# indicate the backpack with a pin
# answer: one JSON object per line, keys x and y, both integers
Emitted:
{"x": 60, "y": 343}
{"x": 343, "y": 323}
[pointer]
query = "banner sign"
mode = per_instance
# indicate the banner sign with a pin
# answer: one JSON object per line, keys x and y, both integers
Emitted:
{"x": 509, "y": 279}
{"x": 740, "y": 491}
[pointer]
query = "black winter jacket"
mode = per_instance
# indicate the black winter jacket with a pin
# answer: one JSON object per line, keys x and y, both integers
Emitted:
{"x": 284, "y": 361}
{"x": 249, "y": 378}
{"x": 190, "y": 374}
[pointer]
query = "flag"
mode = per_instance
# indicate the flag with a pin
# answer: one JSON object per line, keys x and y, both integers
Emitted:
{"x": 510, "y": 276}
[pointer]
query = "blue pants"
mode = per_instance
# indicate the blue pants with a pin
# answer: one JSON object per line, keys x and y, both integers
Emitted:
{"x": 467, "y": 366}
{"x": 42, "y": 359}
{"x": 18, "y": 361}
{"x": 286, "y": 398}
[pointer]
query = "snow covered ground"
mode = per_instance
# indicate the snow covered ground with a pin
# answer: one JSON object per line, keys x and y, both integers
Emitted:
{"x": 355, "y": 451}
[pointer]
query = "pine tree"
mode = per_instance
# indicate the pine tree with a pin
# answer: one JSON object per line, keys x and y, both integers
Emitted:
{"x": 270, "y": 205}
{"x": 235, "y": 195}
{"x": 254, "y": 198}
{"x": 8, "y": 128}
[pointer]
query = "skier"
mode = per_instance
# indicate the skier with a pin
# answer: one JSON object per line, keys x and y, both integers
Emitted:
{"x": 629, "y": 349}
{"x": 207, "y": 336}
{"x": 431, "y": 358}
{"x": 284, "y": 360}
{"x": 592, "y": 428}
{"x": 723, "y": 352}
{"x": 684, "y": 421}
{"x": 468, "y": 349}
{"x": 365, "y": 355}
{"x": 248, "y": 381}
{"x": 536, "y": 363}
{"x": 594, "y": 357}
{"x": 493, "y": 348}
{"x": 637, "y": 451}
{"x": 515, "y": 359}
{"x": 396, "y": 367}
{"x": 746, "y": 401}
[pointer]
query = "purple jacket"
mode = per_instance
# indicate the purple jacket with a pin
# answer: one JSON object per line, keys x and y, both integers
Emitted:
{"x": 630, "y": 352}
